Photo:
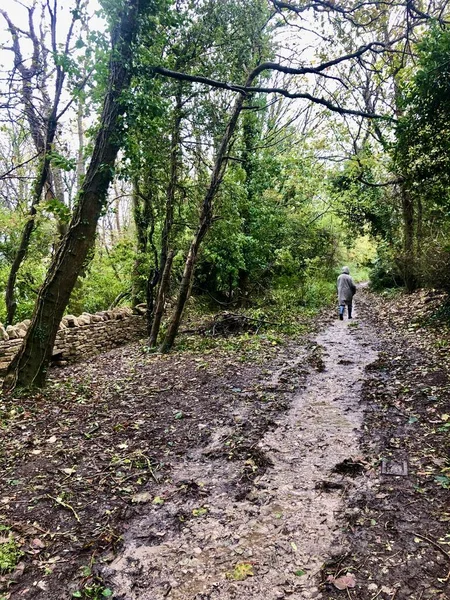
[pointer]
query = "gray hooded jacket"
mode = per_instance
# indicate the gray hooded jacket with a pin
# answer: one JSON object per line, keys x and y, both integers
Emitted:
{"x": 346, "y": 287}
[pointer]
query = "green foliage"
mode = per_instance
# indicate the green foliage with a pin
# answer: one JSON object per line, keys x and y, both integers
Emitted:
{"x": 94, "y": 592}
{"x": 358, "y": 201}
{"x": 422, "y": 154}
{"x": 61, "y": 162}
{"x": 423, "y": 149}
{"x": 270, "y": 230}
{"x": 443, "y": 481}
{"x": 385, "y": 272}
{"x": 10, "y": 552}
{"x": 33, "y": 270}
{"x": 107, "y": 276}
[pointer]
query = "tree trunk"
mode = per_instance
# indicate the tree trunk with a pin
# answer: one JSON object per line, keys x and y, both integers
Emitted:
{"x": 43, "y": 132}
{"x": 163, "y": 276}
{"x": 171, "y": 189}
{"x": 419, "y": 227}
{"x": 81, "y": 164}
{"x": 19, "y": 257}
{"x": 205, "y": 220}
{"x": 249, "y": 136}
{"x": 409, "y": 261}
{"x": 29, "y": 367}
{"x": 152, "y": 282}
{"x": 141, "y": 246}
{"x": 144, "y": 219}
{"x": 161, "y": 299}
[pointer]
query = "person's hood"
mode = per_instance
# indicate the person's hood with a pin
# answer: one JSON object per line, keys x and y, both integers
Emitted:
{"x": 346, "y": 270}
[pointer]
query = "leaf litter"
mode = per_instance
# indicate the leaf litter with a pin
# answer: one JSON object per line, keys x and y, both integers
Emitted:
{"x": 253, "y": 454}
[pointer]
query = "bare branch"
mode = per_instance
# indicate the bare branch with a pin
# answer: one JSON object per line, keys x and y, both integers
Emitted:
{"x": 15, "y": 167}
{"x": 265, "y": 90}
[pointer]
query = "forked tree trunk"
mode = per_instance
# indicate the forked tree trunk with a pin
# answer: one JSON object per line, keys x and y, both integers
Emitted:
{"x": 29, "y": 367}
{"x": 205, "y": 220}
{"x": 156, "y": 312}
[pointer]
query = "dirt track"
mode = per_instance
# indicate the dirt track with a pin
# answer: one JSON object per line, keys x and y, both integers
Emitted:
{"x": 283, "y": 530}
{"x": 249, "y": 474}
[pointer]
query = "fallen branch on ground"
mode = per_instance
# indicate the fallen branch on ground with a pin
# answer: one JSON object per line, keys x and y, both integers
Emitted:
{"x": 228, "y": 323}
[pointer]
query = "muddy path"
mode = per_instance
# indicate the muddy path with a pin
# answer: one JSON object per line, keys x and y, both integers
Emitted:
{"x": 209, "y": 542}
{"x": 248, "y": 468}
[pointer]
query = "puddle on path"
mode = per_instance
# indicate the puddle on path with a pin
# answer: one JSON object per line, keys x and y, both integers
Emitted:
{"x": 284, "y": 528}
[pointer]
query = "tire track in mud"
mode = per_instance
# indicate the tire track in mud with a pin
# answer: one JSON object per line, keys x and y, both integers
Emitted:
{"x": 283, "y": 530}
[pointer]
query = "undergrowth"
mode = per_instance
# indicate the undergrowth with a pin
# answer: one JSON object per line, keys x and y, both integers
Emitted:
{"x": 283, "y": 312}
{"x": 10, "y": 553}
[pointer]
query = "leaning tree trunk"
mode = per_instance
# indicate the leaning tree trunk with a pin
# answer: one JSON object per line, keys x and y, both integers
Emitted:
{"x": 29, "y": 367}
{"x": 205, "y": 220}
{"x": 19, "y": 257}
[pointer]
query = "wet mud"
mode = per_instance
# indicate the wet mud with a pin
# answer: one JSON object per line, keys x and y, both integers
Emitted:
{"x": 199, "y": 539}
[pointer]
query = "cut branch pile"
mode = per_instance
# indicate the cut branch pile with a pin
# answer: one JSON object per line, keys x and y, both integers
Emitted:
{"x": 228, "y": 323}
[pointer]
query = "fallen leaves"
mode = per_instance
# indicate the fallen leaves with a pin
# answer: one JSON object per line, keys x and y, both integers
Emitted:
{"x": 198, "y": 512}
{"x": 344, "y": 582}
{"x": 241, "y": 571}
{"x": 141, "y": 498}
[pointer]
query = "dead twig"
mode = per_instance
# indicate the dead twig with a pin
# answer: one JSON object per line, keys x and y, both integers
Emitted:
{"x": 433, "y": 543}
{"x": 438, "y": 547}
{"x": 61, "y": 502}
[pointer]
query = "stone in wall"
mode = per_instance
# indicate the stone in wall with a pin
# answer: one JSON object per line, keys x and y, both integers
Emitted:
{"x": 11, "y": 331}
{"x": 4, "y": 337}
{"x": 70, "y": 321}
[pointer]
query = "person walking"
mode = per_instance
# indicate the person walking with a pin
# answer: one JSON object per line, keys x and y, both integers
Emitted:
{"x": 346, "y": 290}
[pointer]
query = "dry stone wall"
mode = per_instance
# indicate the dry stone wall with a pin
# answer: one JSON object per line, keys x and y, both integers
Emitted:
{"x": 79, "y": 337}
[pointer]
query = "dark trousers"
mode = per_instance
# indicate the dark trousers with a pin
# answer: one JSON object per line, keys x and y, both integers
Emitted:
{"x": 342, "y": 309}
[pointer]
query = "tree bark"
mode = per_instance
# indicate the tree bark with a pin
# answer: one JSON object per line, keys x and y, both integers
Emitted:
{"x": 141, "y": 245}
{"x": 144, "y": 220}
{"x": 205, "y": 219}
{"x": 171, "y": 189}
{"x": 19, "y": 257}
{"x": 163, "y": 275}
{"x": 29, "y": 367}
{"x": 161, "y": 299}
{"x": 409, "y": 259}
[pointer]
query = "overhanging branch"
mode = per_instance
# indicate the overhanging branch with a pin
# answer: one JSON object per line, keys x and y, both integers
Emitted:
{"x": 266, "y": 90}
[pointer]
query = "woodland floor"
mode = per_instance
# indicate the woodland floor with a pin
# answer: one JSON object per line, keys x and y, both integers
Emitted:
{"x": 253, "y": 471}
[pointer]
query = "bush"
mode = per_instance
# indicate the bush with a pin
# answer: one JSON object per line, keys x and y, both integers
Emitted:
{"x": 386, "y": 270}
{"x": 434, "y": 265}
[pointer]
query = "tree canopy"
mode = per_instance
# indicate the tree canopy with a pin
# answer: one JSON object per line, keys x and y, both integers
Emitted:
{"x": 153, "y": 151}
